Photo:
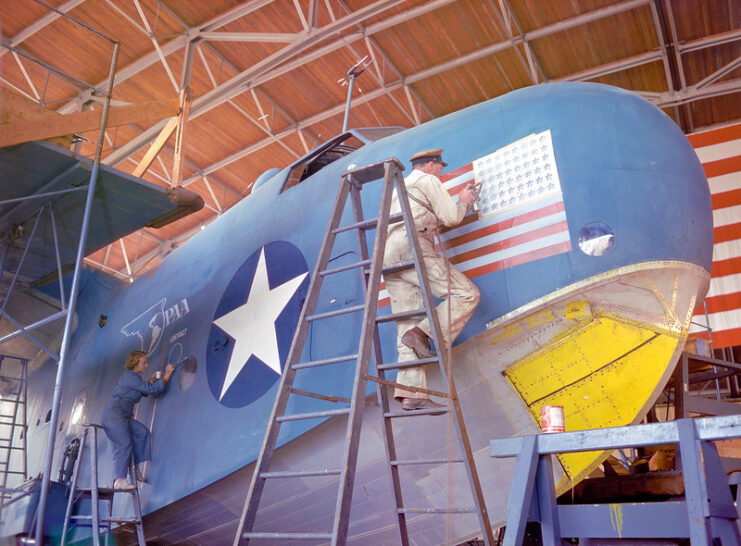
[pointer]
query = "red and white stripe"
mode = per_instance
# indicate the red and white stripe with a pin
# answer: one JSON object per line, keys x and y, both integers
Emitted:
{"x": 522, "y": 234}
{"x": 719, "y": 151}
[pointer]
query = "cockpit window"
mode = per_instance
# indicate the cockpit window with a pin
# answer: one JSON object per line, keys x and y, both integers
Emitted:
{"x": 372, "y": 134}
{"x": 321, "y": 157}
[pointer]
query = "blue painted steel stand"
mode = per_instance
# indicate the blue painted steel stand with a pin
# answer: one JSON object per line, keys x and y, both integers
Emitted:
{"x": 707, "y": 511}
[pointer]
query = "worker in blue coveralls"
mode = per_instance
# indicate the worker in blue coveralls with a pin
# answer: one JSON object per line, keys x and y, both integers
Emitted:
{"x": 124, "y": 432}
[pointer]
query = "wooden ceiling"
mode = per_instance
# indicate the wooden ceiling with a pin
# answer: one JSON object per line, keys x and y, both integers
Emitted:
{"x": 268, "y": 77}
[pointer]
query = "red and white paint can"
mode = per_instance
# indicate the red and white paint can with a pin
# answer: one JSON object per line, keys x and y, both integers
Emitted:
{"x": 552, "y": 419}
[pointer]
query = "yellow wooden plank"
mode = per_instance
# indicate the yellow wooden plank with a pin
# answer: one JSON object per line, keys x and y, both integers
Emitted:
{"x": 156, "y": 146}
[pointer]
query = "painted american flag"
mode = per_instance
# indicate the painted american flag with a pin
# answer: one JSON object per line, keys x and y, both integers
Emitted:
{"x": 719, "y": 151}
{"x": 521, "y": 215}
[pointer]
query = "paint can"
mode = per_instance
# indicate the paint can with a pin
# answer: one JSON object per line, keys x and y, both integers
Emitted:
{"x": 552, "y": 419}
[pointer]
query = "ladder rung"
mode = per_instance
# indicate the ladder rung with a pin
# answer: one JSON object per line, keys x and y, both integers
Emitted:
{"x": 326, "y": 361}
{"x": 436, "y": 510}
{"x": 425, "y": 461}
{"x": 319, "y": 396}
{"x": 13, "y": 471}
{"x": 412, "y": 413}
{"x": 295, "y": 536}
{"x": 10, "y": 424}
{"x": 401, "y": 266}
{"x": 301, "y": 473}
{"x": 346, "y": 267}
{"x": 6, "y": 416}
{"x": 371, "y": 223}
{"x": 120, "y": 520}
{"x": 328, "y": 314}
{"x": 407, "y": 364}
{"x": 13, "y": 448}
{"x": 313, "y": 415}
{"x": 365, "y": 224}
{"x": 401, "y": 316}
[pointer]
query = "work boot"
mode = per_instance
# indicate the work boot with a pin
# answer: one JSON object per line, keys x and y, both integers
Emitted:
{"x": 417, "y": 340}
{"x": 411, "y": 404}
{"x": 122, "y": 484}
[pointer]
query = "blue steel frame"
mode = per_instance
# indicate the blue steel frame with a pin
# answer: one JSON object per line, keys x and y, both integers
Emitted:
{"x": 707, "y": 511}
{"x": 67, "y": 312}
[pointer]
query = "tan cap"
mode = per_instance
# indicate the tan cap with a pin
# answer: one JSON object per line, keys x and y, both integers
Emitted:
{"x": 428, "y": 155}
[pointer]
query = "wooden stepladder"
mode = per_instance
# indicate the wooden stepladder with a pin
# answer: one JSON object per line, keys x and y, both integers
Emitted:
{"x": 97, "y": 494}
{"x": 371, "y": 268}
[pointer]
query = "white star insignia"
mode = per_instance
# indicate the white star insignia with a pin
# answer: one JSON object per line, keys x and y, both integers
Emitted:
{"x": 252, "y": 325}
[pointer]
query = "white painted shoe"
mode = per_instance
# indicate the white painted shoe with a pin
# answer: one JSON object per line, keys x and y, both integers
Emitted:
{"x": 122, "y": 484}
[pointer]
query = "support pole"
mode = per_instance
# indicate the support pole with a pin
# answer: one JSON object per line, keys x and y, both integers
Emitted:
{"x": 43, "y": 496}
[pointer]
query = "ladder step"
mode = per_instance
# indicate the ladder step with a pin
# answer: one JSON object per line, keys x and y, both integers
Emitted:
{"x": 342, "y": 268}
{"x": 368, "y": 224}
{"x": 401, "y": 316}
{"x": 295, "y": 536}
{"x": 301, "y": 473}
{"x": 436, "y": 510}
{"x": 318, "y": 396}
{"x": 407, "y": 364}
{"x": 412, "y": 413}
{"x": 425, "y": 461}
{"x": 328, "y": 314}
{"x": 367, "y": 173}
{"x": 313, "y": 415}
{"x": 12, "y": 448}
{"x": 401, "y": 266}
{"x": 326, "y": 361}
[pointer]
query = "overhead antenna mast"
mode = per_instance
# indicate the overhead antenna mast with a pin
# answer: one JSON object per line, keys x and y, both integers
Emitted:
{"x": 354, "y": 72}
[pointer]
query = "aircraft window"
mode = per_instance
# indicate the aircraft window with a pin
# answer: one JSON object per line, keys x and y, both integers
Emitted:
{"x": 48, "y": 417}
{"x": 377, "y": 133}
{"x": 320, "y": 158}
{"x": 596, "y": 239}
{"x": 187, "y": 375}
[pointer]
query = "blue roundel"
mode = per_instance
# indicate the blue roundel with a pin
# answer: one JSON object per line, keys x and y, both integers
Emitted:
{"x": 254, "y": 323}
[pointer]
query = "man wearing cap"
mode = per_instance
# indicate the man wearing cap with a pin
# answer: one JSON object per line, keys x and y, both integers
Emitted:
{"x": 431, "y": 207}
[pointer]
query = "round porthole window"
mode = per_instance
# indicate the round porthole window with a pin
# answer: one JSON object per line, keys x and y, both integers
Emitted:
{"x": 596, "y": 239}
{"x": 188, "y": 371}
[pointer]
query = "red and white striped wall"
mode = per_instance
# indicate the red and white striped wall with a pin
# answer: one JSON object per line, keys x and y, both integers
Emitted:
{"x": 719, "y": 151}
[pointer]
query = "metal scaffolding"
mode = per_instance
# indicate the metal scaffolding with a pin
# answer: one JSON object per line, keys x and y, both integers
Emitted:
{"x": 68, "y": 307}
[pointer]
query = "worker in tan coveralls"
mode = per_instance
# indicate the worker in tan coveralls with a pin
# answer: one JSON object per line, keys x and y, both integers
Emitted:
{"x": 431, "y": 207}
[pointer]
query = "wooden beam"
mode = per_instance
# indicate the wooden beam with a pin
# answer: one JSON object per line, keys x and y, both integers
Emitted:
{"x": 177, "y": 163}
{"x": 156, "y": 146}
{"x": 15, "y": 107}
{"x": 26, "y": 129}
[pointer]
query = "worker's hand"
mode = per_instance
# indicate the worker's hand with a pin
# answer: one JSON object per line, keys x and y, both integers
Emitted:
{"x": 467, "y": 195}
{"x": 169, "y": 369}
{"x": 152, "y": 379}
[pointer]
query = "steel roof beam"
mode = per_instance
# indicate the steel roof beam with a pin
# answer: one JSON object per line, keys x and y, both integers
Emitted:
{"x": 595, "y": 72}
{"x": 233, "y": 14}
{"x": 249, "y": 36}
{"x": 722, "y": 71}
{"x": 41, "y": 23}
{"x": 692, "y": 94}
{"x": 611, "y": 68}
{"x": 235, "y": 85}
{"x": 710, "y": 41}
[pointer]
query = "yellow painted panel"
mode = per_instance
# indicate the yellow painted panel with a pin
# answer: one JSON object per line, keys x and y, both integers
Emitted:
{"x": 603, "y": 374}
{"x": 613, "y": 396}
{"x": 574, "y": 357}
